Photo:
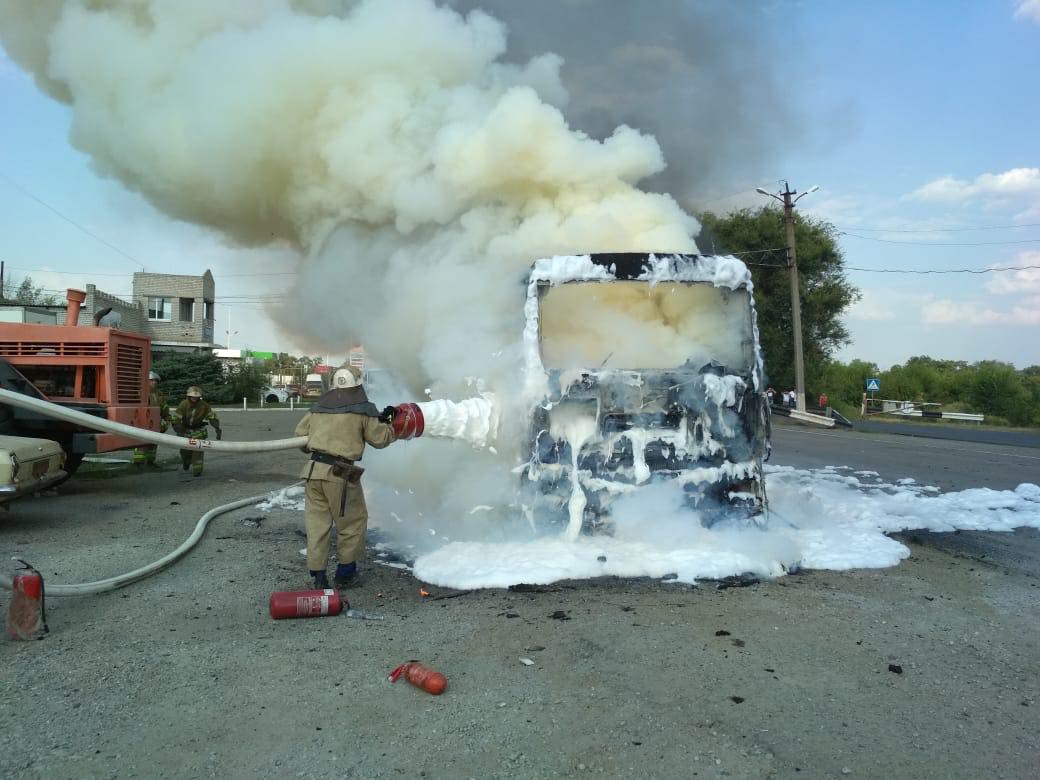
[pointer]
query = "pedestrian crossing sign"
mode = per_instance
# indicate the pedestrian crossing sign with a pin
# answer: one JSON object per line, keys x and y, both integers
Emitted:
{"x": 873, "y": 385}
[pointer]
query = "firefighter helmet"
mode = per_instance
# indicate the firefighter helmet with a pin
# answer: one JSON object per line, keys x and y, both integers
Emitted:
{"x": 346, "y": 376}
{"x": 194, "y": 392}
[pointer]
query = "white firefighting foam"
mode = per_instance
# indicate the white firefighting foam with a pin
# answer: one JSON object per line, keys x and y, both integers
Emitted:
{"x": 574, "y": 424}
{"x": 819, "y": 519}
{"x": 474, "y": 420}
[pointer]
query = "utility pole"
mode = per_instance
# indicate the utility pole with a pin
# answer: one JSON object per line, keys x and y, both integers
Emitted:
{"x": 786, "y": 198}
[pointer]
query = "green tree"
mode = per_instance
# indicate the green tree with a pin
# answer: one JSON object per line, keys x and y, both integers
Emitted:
{"x": 758, "y": 237}
{"x": 244, "y": 380}
{"x": 844, "y": 383}
{"x": 29, "y": 294}
{"x": 181, "y": 370}
{"x": 997, "y": 388}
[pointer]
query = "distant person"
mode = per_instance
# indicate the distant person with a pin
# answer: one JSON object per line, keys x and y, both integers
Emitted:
{"x": 145, "y": 454}
{"x": 191, "y": 419}
{"x": 792, "y": 399}
{"x": 824, "y": 400}
{"x": 770, "y": 394}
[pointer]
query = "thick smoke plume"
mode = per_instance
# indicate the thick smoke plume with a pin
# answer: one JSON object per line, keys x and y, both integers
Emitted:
{"x": 418, "y": 174}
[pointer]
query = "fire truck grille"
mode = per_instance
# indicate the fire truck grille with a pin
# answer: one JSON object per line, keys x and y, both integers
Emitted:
{"x": 129, "y": 368}
{"x": 52, "y": 348}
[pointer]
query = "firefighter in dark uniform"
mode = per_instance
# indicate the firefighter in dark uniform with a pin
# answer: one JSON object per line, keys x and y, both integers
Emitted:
{"x": 190, "y": 419}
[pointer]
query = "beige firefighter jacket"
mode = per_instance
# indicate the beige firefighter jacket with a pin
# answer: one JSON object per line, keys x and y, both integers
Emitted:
{"x": 342, "y": 435}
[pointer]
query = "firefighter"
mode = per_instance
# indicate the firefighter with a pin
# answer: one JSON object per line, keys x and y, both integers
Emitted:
{"x": 338, "y": 427}
{"x": 145, "y": 454}
{"x": 190, "y": 419}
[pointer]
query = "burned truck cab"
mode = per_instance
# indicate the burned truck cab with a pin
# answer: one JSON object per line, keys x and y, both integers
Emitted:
{"x": 642, "y": 368}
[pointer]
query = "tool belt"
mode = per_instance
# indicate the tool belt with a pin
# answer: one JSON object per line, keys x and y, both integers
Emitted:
{"x": 341, "y": 467}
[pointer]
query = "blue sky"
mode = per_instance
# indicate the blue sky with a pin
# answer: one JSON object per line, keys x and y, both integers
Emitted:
{"x": 915, "y": 117}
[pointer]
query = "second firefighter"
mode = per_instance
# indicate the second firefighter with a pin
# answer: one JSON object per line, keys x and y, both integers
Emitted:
{"x": 191, "y": 419}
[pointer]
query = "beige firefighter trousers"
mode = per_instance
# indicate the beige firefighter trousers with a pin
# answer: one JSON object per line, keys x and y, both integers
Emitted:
{"x": 323, "y": 502}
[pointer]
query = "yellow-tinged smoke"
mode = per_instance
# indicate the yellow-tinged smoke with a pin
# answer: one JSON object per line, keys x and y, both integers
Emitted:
{"x": 418, "y": 174}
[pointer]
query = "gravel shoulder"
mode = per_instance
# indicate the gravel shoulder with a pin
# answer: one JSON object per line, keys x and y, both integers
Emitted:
{"x": 185, "y": 674}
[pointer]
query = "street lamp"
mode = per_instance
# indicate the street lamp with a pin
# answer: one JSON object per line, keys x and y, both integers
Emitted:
{"x": 786, "y": 198}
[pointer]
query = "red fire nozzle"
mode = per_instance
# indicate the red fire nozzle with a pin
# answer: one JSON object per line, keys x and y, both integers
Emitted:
{"x": 408, "y": 421}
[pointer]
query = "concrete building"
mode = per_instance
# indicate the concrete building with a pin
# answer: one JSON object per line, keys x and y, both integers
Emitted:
{"x": 173, "y": 310}
{"x": 178, "y": 310}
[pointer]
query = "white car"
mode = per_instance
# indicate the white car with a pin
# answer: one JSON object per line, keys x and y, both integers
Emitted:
{"x": 275, "y": 395}
{"x": 29, "y": 465}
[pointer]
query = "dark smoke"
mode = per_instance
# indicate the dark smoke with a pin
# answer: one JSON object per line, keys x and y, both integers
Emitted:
{"x": 705, "y": 78}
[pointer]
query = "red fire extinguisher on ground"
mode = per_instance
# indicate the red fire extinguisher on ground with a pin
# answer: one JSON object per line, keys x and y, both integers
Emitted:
{"x": 306, "y": 603}
{"x": 421, "y": 676}
{"x": 26, "y": 614}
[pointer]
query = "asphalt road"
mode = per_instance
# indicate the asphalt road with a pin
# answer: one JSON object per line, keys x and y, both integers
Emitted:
{"x": 184, "y": 674}
{"x": 947, "y": 464}
{"x": 956, "y": 433}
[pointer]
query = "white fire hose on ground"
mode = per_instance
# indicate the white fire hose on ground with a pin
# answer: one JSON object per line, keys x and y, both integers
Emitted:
{"x": 153, "y": 437}
{"x": 100, "y": 586}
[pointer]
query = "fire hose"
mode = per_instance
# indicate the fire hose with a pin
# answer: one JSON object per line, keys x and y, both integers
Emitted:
{"x": 60, "y": 412}
{"x": 100, "y": 586}
{"x": 408, "y": 422}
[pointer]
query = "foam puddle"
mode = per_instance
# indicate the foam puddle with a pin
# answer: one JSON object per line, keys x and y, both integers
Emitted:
{"x": 819, "y": 519}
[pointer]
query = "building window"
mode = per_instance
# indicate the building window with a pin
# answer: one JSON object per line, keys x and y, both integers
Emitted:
{"x": 209, "y": 311}
{"x": 187, "y": 309}
{"x": 160, "y": 309}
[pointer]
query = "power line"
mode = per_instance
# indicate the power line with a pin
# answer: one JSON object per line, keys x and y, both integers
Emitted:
{"x": 945, "y": 271}
{"x": 71, "y": 221}
{"x": 758, "y": 251}
{"x": 100, "y": 273}
{"x": 939, "y": 230}
{"x": 911, "y": 271}
{"x": 942, "y": 243}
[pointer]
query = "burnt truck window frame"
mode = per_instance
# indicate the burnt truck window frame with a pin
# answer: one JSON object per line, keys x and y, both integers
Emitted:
{"x": 740, "y": 295}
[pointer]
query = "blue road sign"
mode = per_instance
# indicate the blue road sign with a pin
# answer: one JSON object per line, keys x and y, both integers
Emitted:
{"x": 873, "y": 384}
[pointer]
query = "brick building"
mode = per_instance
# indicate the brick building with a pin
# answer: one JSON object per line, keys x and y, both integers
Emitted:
{"x": 174, "y": 310}
{"x": 178, "y": 310}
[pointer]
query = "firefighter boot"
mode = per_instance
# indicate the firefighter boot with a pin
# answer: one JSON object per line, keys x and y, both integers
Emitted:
{"x": 321, "y": 580}
{"x": 346, "y": 575}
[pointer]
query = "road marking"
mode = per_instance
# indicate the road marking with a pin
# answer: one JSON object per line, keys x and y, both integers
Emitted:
{"x": 920, "y": 445}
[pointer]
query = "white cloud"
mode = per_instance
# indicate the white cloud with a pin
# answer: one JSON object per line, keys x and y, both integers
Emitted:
{"x": 1028, "y": 9}
{"x": 872, "y": 307}
{"x": 1024, "y": 282}
{"x": 1018, "y": 183}
{"x": 947, "y": 312}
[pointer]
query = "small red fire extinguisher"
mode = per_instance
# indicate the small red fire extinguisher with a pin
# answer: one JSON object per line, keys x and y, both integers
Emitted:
{"x": 421, "y": 676}
{"x": 26, "y": 614}
{"x": 306, "y": 603}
